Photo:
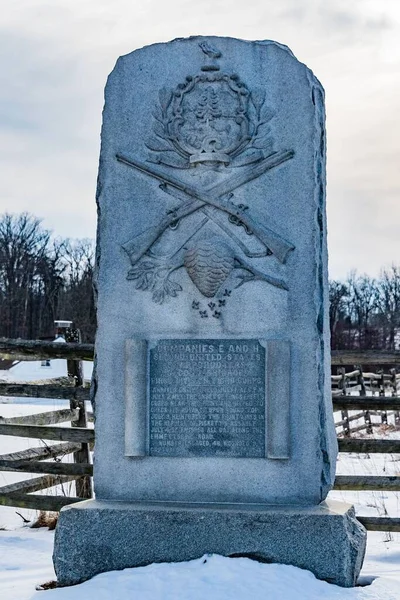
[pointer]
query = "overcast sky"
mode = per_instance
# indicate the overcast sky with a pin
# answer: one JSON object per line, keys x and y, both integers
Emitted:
{"x": 56, "y": 55}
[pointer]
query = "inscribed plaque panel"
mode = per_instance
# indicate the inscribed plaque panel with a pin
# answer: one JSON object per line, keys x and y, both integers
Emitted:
{"x": 207, "y": 398}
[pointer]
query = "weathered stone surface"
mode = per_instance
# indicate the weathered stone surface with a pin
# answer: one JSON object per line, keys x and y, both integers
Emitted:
{"x": 187, "y": 124}
{"x": 326, "y": 540}
{"x": 212, "y": 384}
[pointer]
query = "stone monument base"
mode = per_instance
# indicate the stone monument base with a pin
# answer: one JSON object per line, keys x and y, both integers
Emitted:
{"x": 96, "y": 536}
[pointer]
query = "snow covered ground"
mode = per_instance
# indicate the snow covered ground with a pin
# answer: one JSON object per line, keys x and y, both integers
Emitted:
{"x": 25, "y": 562}
{"x": 25, "y": 553}
{"x": 36, "y": 370}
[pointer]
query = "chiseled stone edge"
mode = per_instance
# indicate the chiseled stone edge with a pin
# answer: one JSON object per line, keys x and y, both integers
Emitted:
{"x": 327, "y": 436}
{"x": 96, "y": 536}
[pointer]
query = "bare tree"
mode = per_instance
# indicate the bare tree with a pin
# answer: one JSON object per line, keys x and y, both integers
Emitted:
{"x": 77, "y": 297}
{"x": 389, "y": 304}
{"x": 23, "y": 247}
{"x": 43, "y": 279}
{"x": 362, "y": 307}
{"x": 338, "y": 317}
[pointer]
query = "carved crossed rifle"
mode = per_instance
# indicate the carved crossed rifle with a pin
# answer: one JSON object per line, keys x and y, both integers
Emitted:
{"x": 212, "y": 196}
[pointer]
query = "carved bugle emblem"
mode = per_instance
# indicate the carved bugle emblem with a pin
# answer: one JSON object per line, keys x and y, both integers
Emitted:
{"x": 213, "y": 126}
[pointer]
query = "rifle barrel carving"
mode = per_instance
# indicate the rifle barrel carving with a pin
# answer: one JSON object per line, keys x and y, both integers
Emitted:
{"x": 281, "y": 247}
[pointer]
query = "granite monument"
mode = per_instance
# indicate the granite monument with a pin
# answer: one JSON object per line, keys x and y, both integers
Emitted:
{"x": 214, "y": 426}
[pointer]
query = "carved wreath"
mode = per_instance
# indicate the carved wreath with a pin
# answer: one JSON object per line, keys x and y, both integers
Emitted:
{"x": 210, "y": 117}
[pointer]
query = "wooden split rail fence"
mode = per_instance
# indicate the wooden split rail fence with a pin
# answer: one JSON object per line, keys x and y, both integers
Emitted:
{"x": 78, "y": 438}
{"x": 75, "y": 440}
{"x": 358, "y": 382}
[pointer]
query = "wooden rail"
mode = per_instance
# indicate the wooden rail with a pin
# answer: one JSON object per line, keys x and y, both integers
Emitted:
{"x": 55, "y": 468}
{"x": 366, "y": 402}
{"x": 42, "y": 452}
{"x": 38, "y": 350}
{"x": 368, "y": 446}
{"x": 65, "y": 434}
{"x": 55, "y": 392}
{"x": 366, "y": 375}
{"x": 364, "y": 357}
{"x": 17, "y": 494}
{"x": 37, "y": 502}
{"x": 33, "y": 485}
{"x": 367, "y": 483}
{"x": 380, "y": 523}
{"x": 45, "y": 418}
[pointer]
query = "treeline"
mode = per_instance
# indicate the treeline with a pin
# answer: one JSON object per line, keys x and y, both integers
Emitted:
{"x": 365, "y": 312}
{"x": 43, "y": 279}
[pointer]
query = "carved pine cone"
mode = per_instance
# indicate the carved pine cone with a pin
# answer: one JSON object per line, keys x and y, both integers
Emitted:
{"x": 208, "y": 264}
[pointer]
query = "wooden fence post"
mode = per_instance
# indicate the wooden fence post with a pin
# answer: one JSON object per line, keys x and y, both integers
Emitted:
{"x": 393, "y": 381}
{"x": 382, "y": 393}
{"x": 345, "y": 413}
{"x": 363, "y": 392}
{"x": 75, "y": 371}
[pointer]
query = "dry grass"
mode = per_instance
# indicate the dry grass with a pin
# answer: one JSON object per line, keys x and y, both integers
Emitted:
{"x": 46, "y": 519}
{"x": 49, "y": 585}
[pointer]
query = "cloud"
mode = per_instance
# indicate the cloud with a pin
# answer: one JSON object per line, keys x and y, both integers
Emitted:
{"x": 58, "y": 55}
